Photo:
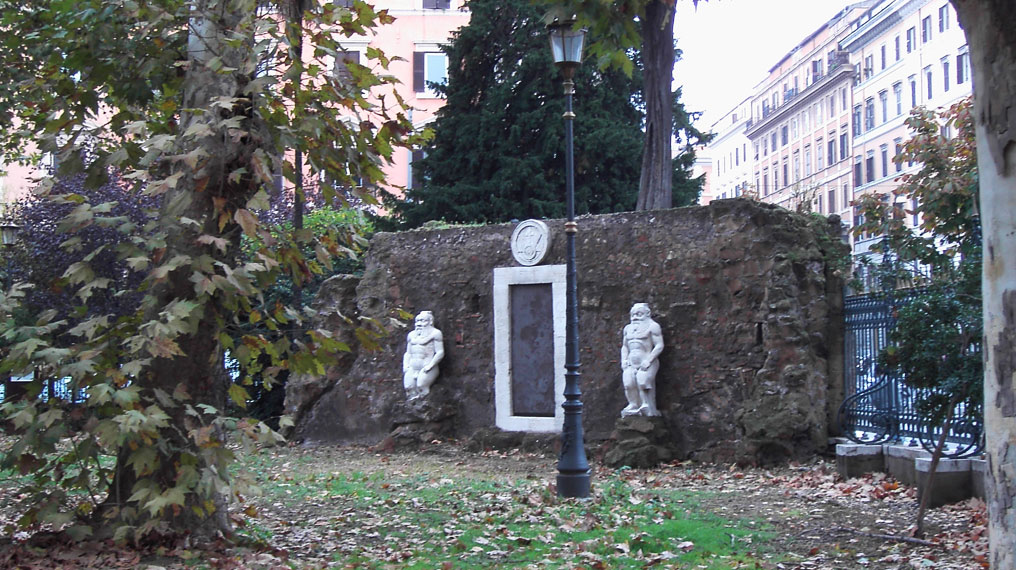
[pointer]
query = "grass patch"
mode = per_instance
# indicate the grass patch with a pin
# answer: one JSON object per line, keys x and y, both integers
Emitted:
{"x": 423, "y": 520}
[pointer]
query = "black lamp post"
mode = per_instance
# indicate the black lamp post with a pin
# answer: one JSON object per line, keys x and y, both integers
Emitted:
{"x": 8, "y": 237}
{"x": 572, "y": 466}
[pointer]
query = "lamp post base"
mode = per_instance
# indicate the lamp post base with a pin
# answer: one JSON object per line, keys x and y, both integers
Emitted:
{"x": 573, "y": 485}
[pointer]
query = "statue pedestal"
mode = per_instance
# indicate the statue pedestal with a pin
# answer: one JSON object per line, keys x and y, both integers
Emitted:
{"x": 639, "y": 441}
{"x": 419, "y": 421}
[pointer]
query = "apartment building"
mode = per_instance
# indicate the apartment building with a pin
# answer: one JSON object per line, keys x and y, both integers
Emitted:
{"x": 413, "y": 42}
{"x": 829, "y": 118}
{"x": 799, "y": 131}
{"x": 730, "y": 174}
{"x": 421, "y": 27}
{"x": 906, "y": 53}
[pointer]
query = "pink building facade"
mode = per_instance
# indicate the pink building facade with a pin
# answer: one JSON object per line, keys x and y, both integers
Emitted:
{"x": 413, "y": 41}
{"x": 421, "y": 27}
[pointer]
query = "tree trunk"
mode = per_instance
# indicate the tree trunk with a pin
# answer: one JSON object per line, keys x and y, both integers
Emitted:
{"x": 655, "y": 184}
{"x": 990, "y": 26}
{"x": 208, "y": 195}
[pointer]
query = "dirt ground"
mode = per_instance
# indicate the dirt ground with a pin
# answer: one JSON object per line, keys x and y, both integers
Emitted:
{"x": 819, "y": 520}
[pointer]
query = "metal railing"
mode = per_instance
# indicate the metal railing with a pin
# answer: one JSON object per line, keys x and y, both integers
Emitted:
{"x": 878, "y": 406}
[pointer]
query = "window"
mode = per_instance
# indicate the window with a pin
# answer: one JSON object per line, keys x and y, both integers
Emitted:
{"x": 797, "y": 165}
{"x": 783, "y": 136}
{"x": 883, "y": 103}
{"x": 831, "y": 148}
{"x": 898, "y": 143}
{"x": 911, "y": 39}
{"x": 793, "y": 128}
{"x": 945, "y": 74}
{"x": 896, "y": 47}
{"x": 429, "y": 68}
{"x": 342, "y": 61}
{"x": 416, "y": 179}
{"x": 765, "y": 182}
{"x": 786, "y": 177}
{"x": 913, "y": 90}
{"x": 898, "y": 95}
{"x": 807, "y": 160}
{"x": 816, "y": 69}
{"x": 943, "y": 18}
{"x": 819, "y": 155}
{"x": 884, "y": 150}
{"x": 832, "y": 201}
{"x": 926, "y": 29}
{"x": 857, "y": 172}
{"x": 928, "y": 82}
{"x": 882, "y": 58}
{"x": 436, "y": 4}
{"x": 869, "y": 114}
{"x": 843, "y": 143}
{"x": 774, "y": 141}
{"x": 820, "y": 203}
{"x": 846, "y": 194}
{"x": 843, "y": 99}
{"x": 855, "y": 123}
{"x": 765, "y": 146}
{"x": 776, "y": 178}
{"x": 756, "y": 151}
{"x": 869, "y": 66}
{"x": 832, "y": 106}
{"x": 818, "y": 113}
{"x": 962, "y": 68}
{"x": 869, "y": 167}
{"x": 737, "y": 157}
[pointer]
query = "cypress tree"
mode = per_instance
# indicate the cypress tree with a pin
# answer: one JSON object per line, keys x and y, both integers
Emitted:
{"x": 498, "y": 148}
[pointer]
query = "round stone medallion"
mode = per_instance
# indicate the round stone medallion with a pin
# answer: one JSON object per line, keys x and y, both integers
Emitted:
{"x": 530, "y": 242}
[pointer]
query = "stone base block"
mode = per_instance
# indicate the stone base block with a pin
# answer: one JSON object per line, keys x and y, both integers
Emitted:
{"x": 417, "y": 422}
{"x": 951, "y": 483}
{"x": 899, "y": 462}
{"x": 978, "y": 477}
{"x": 854, "y": 460}
{"x": 640, "y": 442}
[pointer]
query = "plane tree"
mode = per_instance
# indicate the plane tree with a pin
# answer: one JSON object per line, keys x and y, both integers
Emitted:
{"x": 176, "y": 95}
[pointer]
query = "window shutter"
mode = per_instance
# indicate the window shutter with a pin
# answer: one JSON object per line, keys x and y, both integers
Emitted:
{"x": 419, "y": 85}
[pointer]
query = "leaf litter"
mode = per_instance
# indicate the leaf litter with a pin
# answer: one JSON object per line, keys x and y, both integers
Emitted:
{"x": 444, "y": 506}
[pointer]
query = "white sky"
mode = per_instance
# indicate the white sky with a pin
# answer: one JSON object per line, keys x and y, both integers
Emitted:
{"x": 729, "y": 46}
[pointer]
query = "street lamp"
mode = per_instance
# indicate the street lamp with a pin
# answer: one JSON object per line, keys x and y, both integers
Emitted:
{"x": 8, "y": 237}
{"x": 9, "y": 234}
{"x": 572, "y": 466}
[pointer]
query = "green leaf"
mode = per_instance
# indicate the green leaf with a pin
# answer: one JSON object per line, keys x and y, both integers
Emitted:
{"x": 239, "y": 395}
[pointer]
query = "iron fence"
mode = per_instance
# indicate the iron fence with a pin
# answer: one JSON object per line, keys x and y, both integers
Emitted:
{"x": 878, "y": 407}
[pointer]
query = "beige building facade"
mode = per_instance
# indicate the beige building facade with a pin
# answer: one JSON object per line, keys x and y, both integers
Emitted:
{"x": 799, "y": 130}
{"x": 907, "y": 53}
{"x": 830, "y": 116}
{"x": 730, "y": 172}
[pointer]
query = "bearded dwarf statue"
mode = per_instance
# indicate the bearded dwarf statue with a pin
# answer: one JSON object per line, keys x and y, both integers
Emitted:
{"x": 641, "y": 346}
{"x": 424, "y": 350}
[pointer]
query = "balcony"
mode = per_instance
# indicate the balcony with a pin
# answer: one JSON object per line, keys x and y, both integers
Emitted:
{"x": 839, "y": 67}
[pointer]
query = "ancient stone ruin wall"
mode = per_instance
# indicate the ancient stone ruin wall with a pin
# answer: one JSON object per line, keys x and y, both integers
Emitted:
{"x": 748, "y": 303}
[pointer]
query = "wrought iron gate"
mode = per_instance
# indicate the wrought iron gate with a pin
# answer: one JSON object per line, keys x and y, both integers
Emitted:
{"x": 878, "y": 407}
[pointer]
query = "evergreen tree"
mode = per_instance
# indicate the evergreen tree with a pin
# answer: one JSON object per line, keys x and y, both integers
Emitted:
{"x": 498, "y": 149}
